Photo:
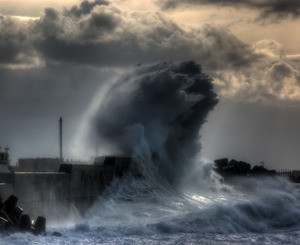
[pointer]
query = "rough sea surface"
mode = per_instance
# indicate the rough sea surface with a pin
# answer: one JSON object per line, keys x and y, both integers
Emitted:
{"x": 134, "y": 211}
{"x": 154, "y": 114}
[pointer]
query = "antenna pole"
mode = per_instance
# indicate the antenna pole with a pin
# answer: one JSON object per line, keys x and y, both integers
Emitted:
{"x": 60, "y": 139}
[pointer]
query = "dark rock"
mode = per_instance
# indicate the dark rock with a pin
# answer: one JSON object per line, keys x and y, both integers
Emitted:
{"x": 10, "y": 203}
{"x": 10, "y": 211}
{"x": 18, "y": 212}
{"x": 3, "y": 224}
{"x": 12, "y": 220}
{"x": 40, "y": 225}
{"x": 294, "y": 179}
{"x": 1, "y": 204}
{"x": 56, "y": 233}
{"x": 25, "y": 223}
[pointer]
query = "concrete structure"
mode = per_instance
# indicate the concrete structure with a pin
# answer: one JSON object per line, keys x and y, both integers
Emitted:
{"x": 49, "y": 187}
{"x": 38, "y": 165}
{"x": 42, "y": 193}
{"x": 87, "y": 182}
{"x": 120, "y": 164}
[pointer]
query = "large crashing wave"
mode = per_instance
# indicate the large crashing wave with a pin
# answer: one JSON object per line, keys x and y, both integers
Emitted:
{"x": 154, "y": 114}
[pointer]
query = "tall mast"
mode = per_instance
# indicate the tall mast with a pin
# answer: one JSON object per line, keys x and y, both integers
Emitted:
{"x": 60, "y": 139}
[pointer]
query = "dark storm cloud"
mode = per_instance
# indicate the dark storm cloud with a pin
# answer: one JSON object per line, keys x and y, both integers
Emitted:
{"x": 267, "y": 8}
{"x": 270, "y": 82}
{"x": 280, "y": 71}
{"x": 97, "y": 25}
{"x": 49, "y": 25}
{"x": 283, "y": 78}
{"x": 85, "y": 7}
{"x": 225, "y": 50}
{"x": 279, "y": 8}
{"x": 111, "y": 37}
{"x": 14, "y": 42}
{"x": 105, "y": 35}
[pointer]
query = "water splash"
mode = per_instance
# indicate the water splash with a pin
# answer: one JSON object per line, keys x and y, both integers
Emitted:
{"x": 154, "y": 113}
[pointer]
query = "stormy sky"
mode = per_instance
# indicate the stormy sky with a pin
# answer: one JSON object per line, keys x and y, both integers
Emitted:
{"x": 56, "y": 57}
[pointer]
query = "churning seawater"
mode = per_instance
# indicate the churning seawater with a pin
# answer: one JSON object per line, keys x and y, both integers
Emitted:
{"x": 154, "y": 114}
{"x": 138, "y": 211}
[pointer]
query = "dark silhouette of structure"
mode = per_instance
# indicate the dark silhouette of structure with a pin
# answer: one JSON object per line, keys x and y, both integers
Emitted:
{"x": 228, "y": 169}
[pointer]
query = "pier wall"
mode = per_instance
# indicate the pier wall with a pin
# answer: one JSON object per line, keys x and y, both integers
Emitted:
{"x": 52, "y": 193}
{"x": 42, "y": 193}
